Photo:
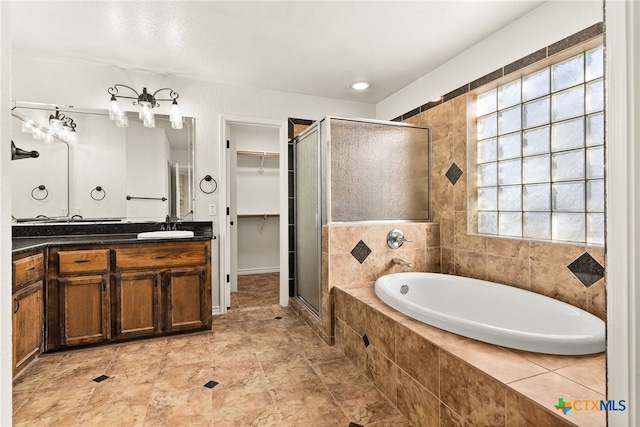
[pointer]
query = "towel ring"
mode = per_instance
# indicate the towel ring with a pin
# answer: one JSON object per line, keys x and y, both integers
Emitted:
{"x": 208, "y": 178}
{"x": 98, "y": 189}
{"x": 41, "y": 188}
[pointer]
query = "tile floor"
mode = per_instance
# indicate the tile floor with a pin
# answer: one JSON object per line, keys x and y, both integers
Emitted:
{"x": 264, "y": 367}
{"x": 256, "y": 290}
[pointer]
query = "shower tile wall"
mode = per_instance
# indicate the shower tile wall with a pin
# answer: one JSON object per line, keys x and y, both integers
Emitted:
{"x": 344, "y": 265}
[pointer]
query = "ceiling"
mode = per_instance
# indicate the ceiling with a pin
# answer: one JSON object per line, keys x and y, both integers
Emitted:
{"x": 307, "y": 47}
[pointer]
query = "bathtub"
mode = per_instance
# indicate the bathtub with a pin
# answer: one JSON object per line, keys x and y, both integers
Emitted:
{"x": 493, "y": 313}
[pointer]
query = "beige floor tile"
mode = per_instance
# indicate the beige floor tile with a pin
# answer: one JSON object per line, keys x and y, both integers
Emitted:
{"x": 267, "y": 372}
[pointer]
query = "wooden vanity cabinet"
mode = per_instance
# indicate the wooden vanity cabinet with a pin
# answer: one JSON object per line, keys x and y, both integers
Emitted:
{"x": 162, "y": 288}
{"x": 126, "y": 291}
{"x": 84, "y": 300}
{"x": 28, "y": 309}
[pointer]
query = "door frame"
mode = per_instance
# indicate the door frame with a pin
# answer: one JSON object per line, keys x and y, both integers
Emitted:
{"x": 224, "y": 226}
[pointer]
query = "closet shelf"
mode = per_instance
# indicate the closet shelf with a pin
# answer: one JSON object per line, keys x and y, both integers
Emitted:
{"x": 252, "y": 215}
{"x": 262, "y": 154}
{"x": 258, "y": 153}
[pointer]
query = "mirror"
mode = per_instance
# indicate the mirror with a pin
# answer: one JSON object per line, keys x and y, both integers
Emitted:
{"x": 134, "y": 173}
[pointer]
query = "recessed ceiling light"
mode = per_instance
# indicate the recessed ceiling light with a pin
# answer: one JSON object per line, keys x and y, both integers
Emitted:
{"x": 360, "y": 85}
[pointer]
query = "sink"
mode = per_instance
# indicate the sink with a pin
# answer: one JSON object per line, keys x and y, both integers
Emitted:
{"x": 168, "y": 234}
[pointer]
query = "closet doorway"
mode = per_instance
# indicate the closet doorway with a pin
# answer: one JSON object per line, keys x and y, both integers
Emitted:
{"x": 255, "y": 241}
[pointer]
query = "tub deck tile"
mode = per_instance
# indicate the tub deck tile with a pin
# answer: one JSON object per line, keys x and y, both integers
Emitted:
{"x": 493, "y": 360}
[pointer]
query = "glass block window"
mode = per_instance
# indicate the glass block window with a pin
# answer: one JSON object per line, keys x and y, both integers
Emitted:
{"x": 540, "y": 153}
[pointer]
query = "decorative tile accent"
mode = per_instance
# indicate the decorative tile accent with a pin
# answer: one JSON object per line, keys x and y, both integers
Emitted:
{"x": 453, "y": 174}
{"x": 361, "y": 251}
{"x": 100, "y": 378}
{"x": 586, "y": 269}
{"x": 278, "y": 317}
{"x": 211, "y": 384}
{"x": 365, "y": 339}
{"x": 352, "y": 424}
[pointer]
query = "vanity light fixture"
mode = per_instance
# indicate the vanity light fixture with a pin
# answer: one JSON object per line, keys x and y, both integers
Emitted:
{"x": 62, "y": 127}
{"x": 360, "y": 85}
{"x": 146, "y": 101}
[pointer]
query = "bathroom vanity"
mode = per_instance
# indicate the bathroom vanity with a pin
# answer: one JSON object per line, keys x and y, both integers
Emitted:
{"x": 76, "y": 289}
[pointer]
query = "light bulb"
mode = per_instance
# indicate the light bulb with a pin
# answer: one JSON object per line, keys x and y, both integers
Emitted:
{"x": 176, "y": 124}
{"x": 149, "y": 122}
{"x": 114, "y": 108}
{"x": 72, "y": 138}
{"x": 37, "y": 133}
{"x": 27, "y": 127}
{"x": 122, "y": 120}
{"x": 48, "y": 138}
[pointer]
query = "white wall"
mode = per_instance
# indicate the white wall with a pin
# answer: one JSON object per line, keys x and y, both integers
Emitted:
{"x": 545, "y": 25}
{"x": 5, "y": 217}
{"x": 85, "y": 85}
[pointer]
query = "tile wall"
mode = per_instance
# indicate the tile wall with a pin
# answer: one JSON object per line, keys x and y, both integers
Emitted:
{"x": 570, "y": 273}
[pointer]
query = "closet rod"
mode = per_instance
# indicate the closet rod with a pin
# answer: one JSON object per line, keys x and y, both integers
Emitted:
{"x": 259, "y": 153}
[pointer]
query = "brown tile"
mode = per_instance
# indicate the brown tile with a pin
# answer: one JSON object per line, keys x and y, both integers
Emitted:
{"x": 369, "y": 407}
{"x": 416, "y": 403}
{"x": 509, "y": 271}
{"x": 447, "y": 230}
{"x": 522, "y": 412}
{"x": 447, "y": 261}
{"x": 477, "y": 397}
{"x": 596, "y": 300}
{"x": 463, "y": 239}
{"x": 351, "y": 344}
{"x": 547, "y": 388}
{"x": 381, "y": 332}
{"x": 551, "y": 361}
{"x": 554, "y": 253}
{"x": 470, "y": 264}
{"x": 512, "y": 248}
{"x": 448, "y": 417}
{"x": 382, "y": 372}
{"x": 557, "y": 281}
{"x": 418, "y": 357}
{"x": 591, "y": 373}
{"x": 181, "y": 407}
{"x": 502, "y": 365}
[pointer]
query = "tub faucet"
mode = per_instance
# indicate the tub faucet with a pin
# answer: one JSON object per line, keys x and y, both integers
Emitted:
{"x": 402, "y": 261}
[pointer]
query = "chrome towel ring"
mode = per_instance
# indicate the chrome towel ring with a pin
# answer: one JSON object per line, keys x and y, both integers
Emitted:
{"x": 40, "y": 188}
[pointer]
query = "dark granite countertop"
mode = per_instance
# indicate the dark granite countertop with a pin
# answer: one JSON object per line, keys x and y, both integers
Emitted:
{"x": 27, "y": 238}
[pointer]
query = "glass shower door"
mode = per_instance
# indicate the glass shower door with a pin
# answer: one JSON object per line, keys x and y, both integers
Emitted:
{"x": 308, "y": 220}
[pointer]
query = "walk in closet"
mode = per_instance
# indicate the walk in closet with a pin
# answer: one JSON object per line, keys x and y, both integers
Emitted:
{"x": 255, "y": 191}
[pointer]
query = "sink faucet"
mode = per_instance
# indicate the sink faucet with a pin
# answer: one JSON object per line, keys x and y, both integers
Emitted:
{"x": 402, "y": 261}
{"x": 168, "y": 224}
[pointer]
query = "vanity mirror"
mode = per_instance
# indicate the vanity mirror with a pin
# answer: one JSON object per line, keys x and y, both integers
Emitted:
{"x": 113, "y": 173}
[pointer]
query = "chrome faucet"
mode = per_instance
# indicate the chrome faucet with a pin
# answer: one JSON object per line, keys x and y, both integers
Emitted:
{"x": 395, "y": 239}
{"x": 402, "y": 261}
{"x": 168, "y": 224}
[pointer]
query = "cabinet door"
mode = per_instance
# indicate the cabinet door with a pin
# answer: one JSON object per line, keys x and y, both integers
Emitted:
{"x": 186, "y": 299}
{"x": 85, "y": 309}
{"x": 27, "y": 324}
{"x": 137, "y": 305}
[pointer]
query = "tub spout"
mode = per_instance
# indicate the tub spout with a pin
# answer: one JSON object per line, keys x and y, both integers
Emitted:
{"x": 402, "y": 261}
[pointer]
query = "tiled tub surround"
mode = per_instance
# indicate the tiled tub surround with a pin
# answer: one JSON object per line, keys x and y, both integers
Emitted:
{"x": 541, "y": 267}
{"x": 436, "y": 378}
{"x": 358, "y": 253}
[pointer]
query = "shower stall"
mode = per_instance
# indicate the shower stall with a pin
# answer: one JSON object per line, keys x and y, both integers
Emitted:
{"x": 354, "y": 170}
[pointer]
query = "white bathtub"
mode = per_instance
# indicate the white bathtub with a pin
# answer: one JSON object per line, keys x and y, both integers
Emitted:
{"x": 493, "y": 313}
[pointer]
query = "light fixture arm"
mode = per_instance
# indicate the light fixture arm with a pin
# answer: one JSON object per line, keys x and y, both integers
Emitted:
{"x": 144, "y": 96}
{"x": 113, "y": 91}
{"x": 173, "y": 95}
